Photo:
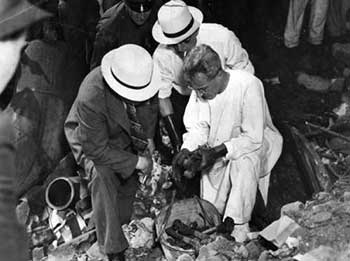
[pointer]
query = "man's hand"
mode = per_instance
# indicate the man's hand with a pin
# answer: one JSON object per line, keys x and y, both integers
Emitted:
{"x": 145, "y": 164}
{"x": 210, "y": 155}
{"x": 151, "y": 146}
{"x": 180, "y": 158}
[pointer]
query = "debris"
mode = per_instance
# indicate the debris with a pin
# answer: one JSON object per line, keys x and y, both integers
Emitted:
{"x": 322, "y": 253}
{"x": 23, "y": 211}
{"x": 341, "y": 52}
{"x": 292, "y": 208}
{"x": 280, "y": 230}
{"x": 313, "y": 82}
{"x": 139, "y": 233}
{"x": 320, "y": 217}
{"x": 94, "y": 252}
{"x": 38, "y": 253}
{"x": 185, "y": 257}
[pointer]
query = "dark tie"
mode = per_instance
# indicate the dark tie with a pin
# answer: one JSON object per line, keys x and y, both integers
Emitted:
{"x": 138, "y": 136}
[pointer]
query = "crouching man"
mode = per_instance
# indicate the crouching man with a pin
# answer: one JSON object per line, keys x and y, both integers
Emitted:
{"x": 107, "y": 129}
{"x": 229, "y": 126}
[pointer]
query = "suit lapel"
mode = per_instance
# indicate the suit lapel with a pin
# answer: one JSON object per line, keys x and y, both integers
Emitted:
{"x": 116, "y": 111}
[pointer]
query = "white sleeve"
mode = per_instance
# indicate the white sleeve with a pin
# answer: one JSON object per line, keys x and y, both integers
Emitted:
{"x": 252, "y": 127}
{"x": 196, "y": 122}
{"x": 167, "y": 77}
{"x": 236, "y": 57}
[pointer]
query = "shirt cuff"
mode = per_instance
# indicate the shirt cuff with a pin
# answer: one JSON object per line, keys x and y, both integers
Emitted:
{"x": 230, "y": 150}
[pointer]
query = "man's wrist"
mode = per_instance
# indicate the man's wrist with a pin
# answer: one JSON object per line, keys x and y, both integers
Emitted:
{"x": 220, "y": 150}
{"x": 140, "y": 163}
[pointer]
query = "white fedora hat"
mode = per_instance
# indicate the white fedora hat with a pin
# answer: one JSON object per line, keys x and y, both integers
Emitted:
{"x": 176, "y": 22}
{"x": 130, "y": 72}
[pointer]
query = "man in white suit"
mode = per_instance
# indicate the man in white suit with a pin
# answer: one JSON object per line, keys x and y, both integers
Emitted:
{"x": 227, "y": 113}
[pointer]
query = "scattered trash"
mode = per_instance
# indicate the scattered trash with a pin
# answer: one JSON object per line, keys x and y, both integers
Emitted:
{"x": 280, "y": 230}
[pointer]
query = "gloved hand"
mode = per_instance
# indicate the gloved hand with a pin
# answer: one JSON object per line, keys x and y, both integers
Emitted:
{"x": 192, "y": 164}
{"x": 178, "y": 165}
{"x": 181, "y": 157}
{"x": 210, "y": 155}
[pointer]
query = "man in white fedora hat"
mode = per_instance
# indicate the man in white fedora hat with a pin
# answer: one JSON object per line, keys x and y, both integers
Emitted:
{"x": 229, "y": 125}
{"x": 15, "y": 17}
{"x": 108, "y": 129}
{"x": 179, "y": 28}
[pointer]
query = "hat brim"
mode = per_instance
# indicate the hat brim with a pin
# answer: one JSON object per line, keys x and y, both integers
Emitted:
{"x": 159, "y": 36}
{"x": 21, "y": 17}
{"x": 131, "y": 94}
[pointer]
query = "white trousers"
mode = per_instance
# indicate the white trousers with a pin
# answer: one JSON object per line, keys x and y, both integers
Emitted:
{"x": 231, "y": 187}
{"x": 318, "y": 17}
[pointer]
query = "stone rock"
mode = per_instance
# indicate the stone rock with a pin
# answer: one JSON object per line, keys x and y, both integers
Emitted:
{"x": 185, "y": 257}
{"x": 38, "y": 253}
{"x": 291, "y": 208}
{"x": 243, "y": 251}
{"x": 322, "y": 253}
{"x": 95, "y": 253}
{"x": 205, "y": 252}
{"x": 254, "y": 249}
{"x": 61, "y": 254}
{"x": 313, "y": 82}
{"x": 320, "y": 217}
{"x": 22, "y": 212}
{"x": 327, "y": 206}
{"x": 341, "y": 52}
{"x": 346, "y": 196}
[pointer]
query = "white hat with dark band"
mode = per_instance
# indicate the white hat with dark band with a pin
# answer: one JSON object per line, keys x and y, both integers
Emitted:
{"x": 176, "y": 22}
{"x": 130, "y": 72}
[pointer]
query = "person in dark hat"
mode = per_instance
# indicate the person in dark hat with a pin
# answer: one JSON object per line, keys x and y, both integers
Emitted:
{"x": 129, "y": 21}
{"x": 15, "y": 17}
{"x": 108, "y": 129}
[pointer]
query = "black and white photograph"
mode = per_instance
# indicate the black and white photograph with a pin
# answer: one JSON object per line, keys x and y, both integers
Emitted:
{"x": 174, "y": 130}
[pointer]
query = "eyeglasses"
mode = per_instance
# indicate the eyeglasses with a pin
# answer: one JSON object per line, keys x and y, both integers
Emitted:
{"x": 140, "y": 7}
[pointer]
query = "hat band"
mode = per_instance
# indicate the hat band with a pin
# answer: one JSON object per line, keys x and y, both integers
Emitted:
{"x": 127, "y": 85}
{"x": 182, "y": 32}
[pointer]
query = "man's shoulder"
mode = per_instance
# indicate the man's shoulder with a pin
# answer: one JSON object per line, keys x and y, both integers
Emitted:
{"x": 210, "y": 32}
{"x": 92, "y": 86}
{"x": 163, "y": 53}
{"x": 243, "y": 78}
{"x": 112, "y": 16}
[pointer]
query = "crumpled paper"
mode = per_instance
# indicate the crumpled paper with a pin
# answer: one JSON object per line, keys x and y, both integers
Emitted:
{"x": 278, "y": 231}
{"x": 139, "y": 233}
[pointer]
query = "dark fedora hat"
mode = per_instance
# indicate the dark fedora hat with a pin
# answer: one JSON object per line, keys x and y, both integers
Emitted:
{"x": 16, "y": 15}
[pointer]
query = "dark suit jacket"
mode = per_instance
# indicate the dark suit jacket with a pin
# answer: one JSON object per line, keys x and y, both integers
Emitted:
{"x": 98, "y": 128}
{"x": 12, "y": 236}
{"x": 116, "y": 28}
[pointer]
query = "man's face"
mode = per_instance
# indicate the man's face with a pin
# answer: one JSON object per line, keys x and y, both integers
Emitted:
{"x": 140, "y": 16}
{"x": 187, "y": 45}
{"x": 204, "y": 87}
{"x": 10, "y": 53}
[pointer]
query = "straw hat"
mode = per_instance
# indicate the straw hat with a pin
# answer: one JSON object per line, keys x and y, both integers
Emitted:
{"x": 16, "y": 15}
{"x": 176, "y": 22}
{"x": 130, "y": 72}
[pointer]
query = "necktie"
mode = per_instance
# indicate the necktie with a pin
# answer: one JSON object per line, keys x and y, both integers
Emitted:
{"x": 138, "y": 136}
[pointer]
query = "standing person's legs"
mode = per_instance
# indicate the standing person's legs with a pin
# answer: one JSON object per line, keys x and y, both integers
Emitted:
{"x": 318, "y": 17}
{"x": 112, "y": 199}
{"x": 294, "y": 22}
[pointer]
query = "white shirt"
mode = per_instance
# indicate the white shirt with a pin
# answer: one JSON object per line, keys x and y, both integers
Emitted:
{"x": 218, "y": 37}
{"x": 239, "y": 118}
